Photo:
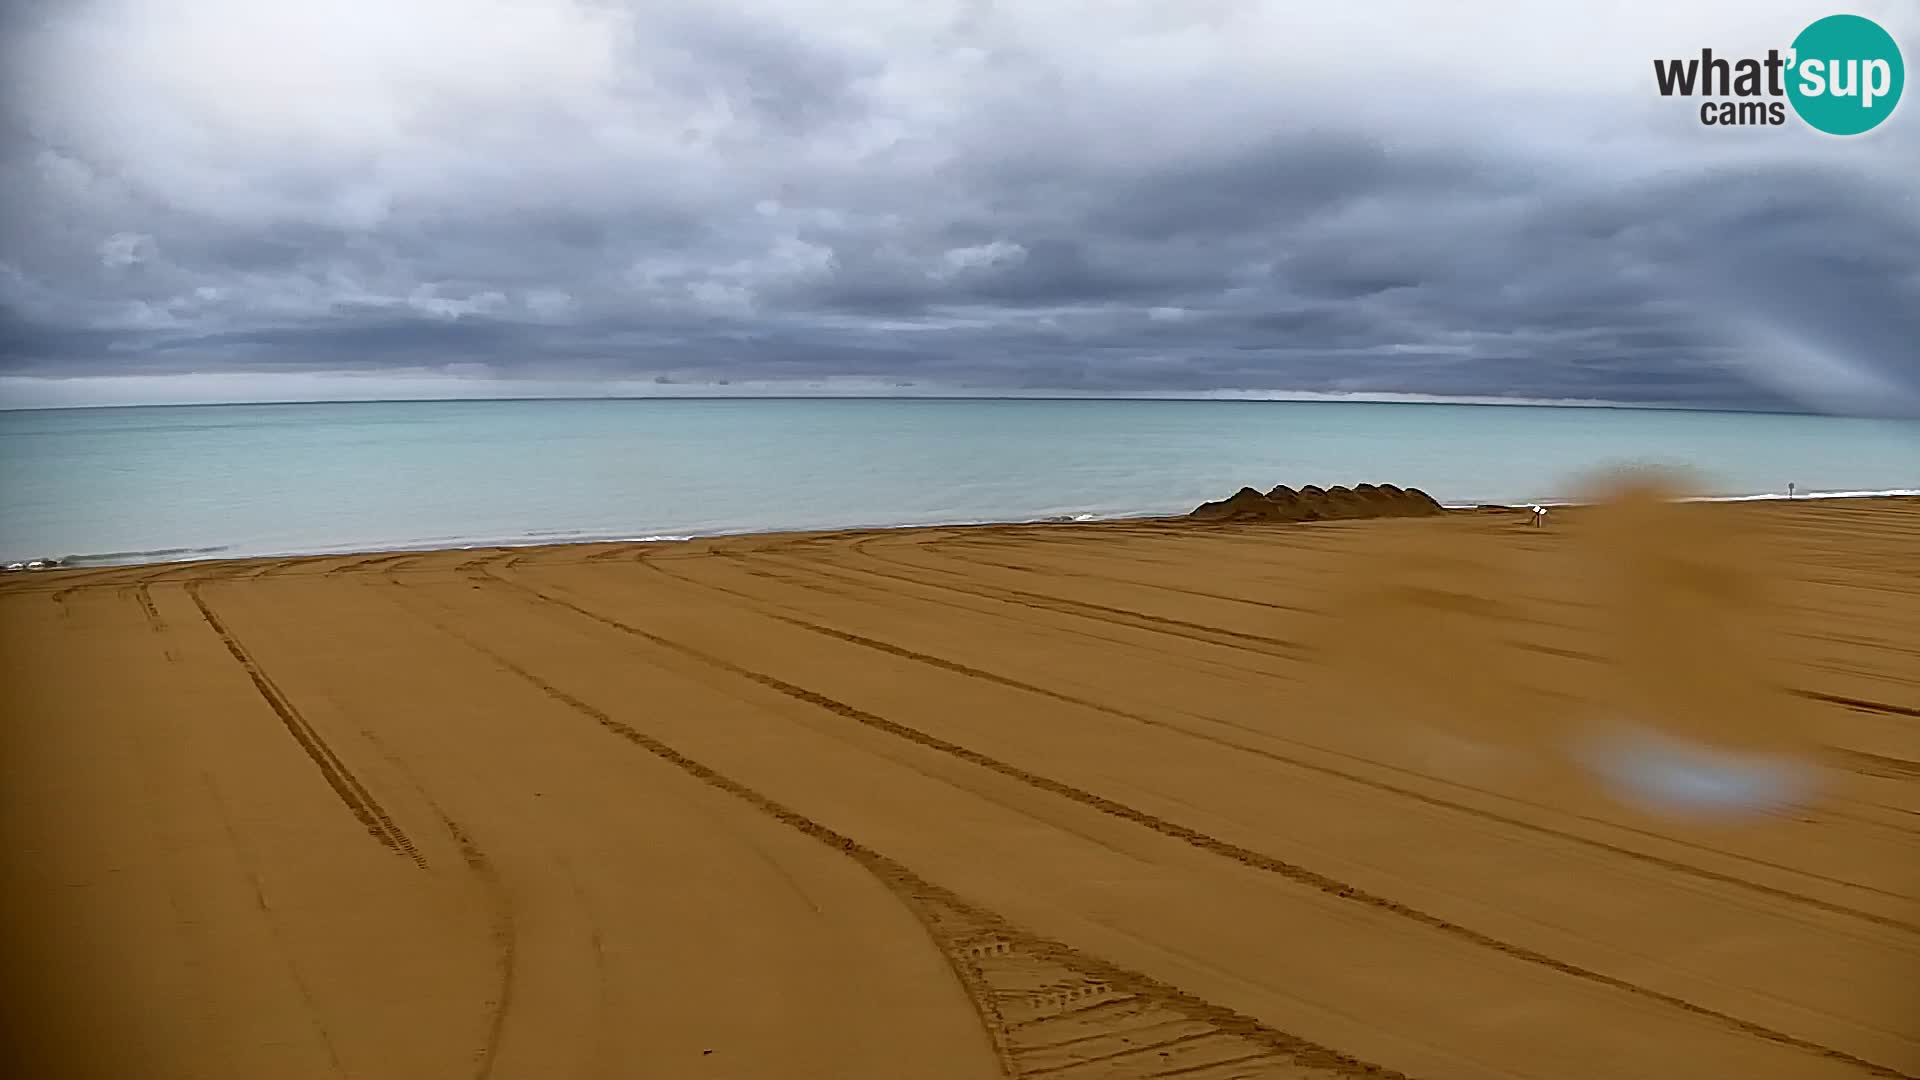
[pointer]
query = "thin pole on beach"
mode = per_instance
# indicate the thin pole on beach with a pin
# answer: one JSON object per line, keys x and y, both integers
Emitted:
{"x": 1789, "y": 490}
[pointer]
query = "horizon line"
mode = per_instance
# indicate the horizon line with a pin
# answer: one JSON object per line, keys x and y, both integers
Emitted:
{"x": 1532, "y": 403}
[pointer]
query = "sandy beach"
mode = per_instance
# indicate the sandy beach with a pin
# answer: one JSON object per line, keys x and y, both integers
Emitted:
{"x": 1142, "y": 799}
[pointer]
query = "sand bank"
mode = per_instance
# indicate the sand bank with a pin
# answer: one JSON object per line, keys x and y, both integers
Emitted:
{"x": 1121, "y": 799}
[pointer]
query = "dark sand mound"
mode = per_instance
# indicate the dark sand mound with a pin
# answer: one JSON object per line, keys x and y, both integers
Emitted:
{"x": 1312, "y": 503}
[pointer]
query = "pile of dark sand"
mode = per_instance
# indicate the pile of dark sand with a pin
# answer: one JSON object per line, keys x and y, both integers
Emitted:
{"x": 1312, "y": 503}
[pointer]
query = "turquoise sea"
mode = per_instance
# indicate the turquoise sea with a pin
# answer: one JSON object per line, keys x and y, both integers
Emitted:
{"x": 101, "y": 486}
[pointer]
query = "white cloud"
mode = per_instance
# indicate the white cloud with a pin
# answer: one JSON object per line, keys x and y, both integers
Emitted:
{"x": 962, "y": 259}
{"x": 122, "y": 250}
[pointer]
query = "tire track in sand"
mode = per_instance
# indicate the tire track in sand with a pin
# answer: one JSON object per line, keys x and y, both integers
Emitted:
{"x": 950, "y": 550}
{"x": 1263, "y": 644}
{"x": 502, "y": 927}
{"x": 1296, "y": 873}
{"x": 946, "y": 548}
{"x": 1859, "y": 704}
{"x": 1032, "y": 994}
{"x": 1197, "y": 631}
{"x": 143, "y": 595}
{"x": 1648, "y": 858}
{"x": 366, "y": 564}
{"x": 505, "y": 941}
{"x": 335, "y": 772}
{"x": 1193, "y": 631}
{"x": 854, "y": 583}
{"x": 745, "y": 566}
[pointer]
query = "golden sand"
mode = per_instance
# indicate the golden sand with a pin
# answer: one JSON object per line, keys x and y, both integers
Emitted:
{"x": 1120, "y": 800}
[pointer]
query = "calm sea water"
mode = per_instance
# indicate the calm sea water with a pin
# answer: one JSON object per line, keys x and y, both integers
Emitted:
{"x": 143, "y": 484}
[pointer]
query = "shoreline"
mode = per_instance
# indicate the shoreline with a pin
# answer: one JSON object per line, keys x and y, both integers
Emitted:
{"x": 10, "y": 568}
{"x": 943, "y": 796}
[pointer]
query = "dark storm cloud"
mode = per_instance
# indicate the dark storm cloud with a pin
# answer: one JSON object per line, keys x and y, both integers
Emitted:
{"x": 361, "y": 341}
{"x": 1130, "y": 199}
{"x": 21, "y": 339}
{"x": 1283, "y": 178}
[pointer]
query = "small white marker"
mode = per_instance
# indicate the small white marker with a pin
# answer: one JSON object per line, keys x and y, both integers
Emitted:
{"x": 1539, "y": 515}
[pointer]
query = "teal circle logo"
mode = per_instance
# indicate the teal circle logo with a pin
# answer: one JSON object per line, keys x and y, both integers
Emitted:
{"x": 1846, "y": 75}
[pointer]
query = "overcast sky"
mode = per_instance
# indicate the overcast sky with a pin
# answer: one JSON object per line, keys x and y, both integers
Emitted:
{"x": 255, "y": 199}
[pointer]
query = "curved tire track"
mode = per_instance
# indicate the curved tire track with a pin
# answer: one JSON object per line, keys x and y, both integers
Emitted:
{"x": 1246, "y": 856}
{"x": 958, "y": 668}
{"x": 505, "y": 940}
{"x": 863, "y": 578}
{"x": 745, "y": 566}
{"x": 968, "y": 935}
{"x": 1263, "y": 644}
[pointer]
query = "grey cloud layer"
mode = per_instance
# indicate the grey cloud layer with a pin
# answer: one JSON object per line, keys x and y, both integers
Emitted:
{"x": 1128, "y": 201}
